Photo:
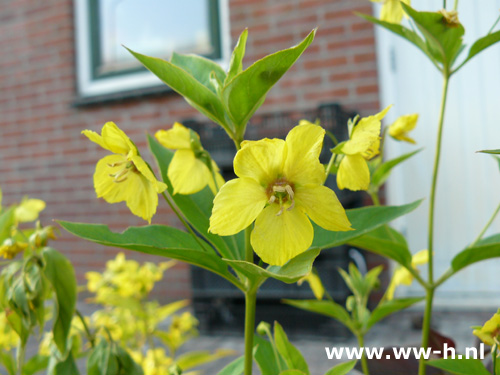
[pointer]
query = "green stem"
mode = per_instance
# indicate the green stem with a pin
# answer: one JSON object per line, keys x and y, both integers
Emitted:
{"x": 364, "y": 360}
{"x": 21, "y": 353}
{"x": 90, "y": 336}
{"x": 494, "y": 25}
{"x": 250, "y": 306}
{"x": 455, "y": 7}
{"x": 488, "y": 224}
{"x": 182, "y": 220}
{"x": 494, "y": 358}
{"x": 330, "y": 164}
{"x": 248, "y": 245}
{"x": 444, "y": 4}
{"x": 430, "y": 244}
{"x": 375, "y": 199}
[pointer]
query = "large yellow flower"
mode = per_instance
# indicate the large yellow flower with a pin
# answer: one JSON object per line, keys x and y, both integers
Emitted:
{"x": 400, "y": 128}
{"x": 402, "y": 276}
{"x": 392, "y": 11}
{"x": 280, "y": 186}
{"x": 490, "y": 332}
{"x": 188, "y": 170}
{"x": 124, "y": 176}
{"x": 364, "y": 144}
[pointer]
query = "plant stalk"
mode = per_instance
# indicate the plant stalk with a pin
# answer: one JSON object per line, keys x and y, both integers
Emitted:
{"x": 90, "y": 336}
{"x": 20, "y": 356}
{"x": 488, "y": 224}
{"x": 455, "y": 7}
{"x": 430, "y": 288}
{"x": 250, "y": 306}
{"x": 364, "y": 360}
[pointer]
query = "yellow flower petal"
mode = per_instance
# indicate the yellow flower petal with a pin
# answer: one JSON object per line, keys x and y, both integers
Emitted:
{"x": 401, "y": 277}
{"x": 365, "y": 134}
{"x": 392, "y": 11}
{"x": 315, "y": 284}
{"x": 236, "y": 206}
{"x": 141, "y": 196}
{"x": 303, "y": 146}
{"x": 144, "y": 169}
{"x": 188, "y": 174}
{"x": 420, "y": 258}
{"x": 400, "y": 128}
{"x": 28, "y": 210}
{"x": 260, "y": 160}
{"x": 112, "y": 139}
{"x": 176, "y": 138}
{"x": 323, "y": 207}
{"x": 490, "y": 331}
{"x": 353, "y": 173}
{"x": 277, "y": 239}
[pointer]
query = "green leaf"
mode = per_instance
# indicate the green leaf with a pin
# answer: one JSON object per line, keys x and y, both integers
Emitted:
{"x": 384, "y": 170}
{"x": 403, "y": 32}
{"x": 36, "y": 363}
{"x": 244, "y": 94}
{"x": 9, "y": 362}
{"x": 197, "y": 358}
{"x": 342, "y": 368}
{"x": 289, "y": 273}
{"x": 327, "y": 308}
{"x": 59, "y": 271}
{"x": 65, "y": 367}
{"x": 389, "y": 307}
{"x": 234, "y": 368}
{"x": 363, "y": 220}
{"x": 200, "y": 68}
{"x": 197, "y": 208}
{"x": 444, "y": 41}
{"x": 291, "y": 355}
{"x": 292, "y": 372}
{"x": 100, "y": 360}
{"x": 126, "y": 365}
{"x": 264, "y": 355}
{"x": 236, "y": 63}
{"x": 6, "y": 222}
{"x": 387, "y": 242}
{"x": 196, "y": 94}
{"x": 475, "y": 254}
{"x": 494, "y": 152}
{"x": 155, "y": 240}
{"x": 460, "y": 366}
{"x": 480, "y": 45}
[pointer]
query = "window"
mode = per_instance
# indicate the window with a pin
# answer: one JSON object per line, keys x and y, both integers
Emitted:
{"x": 152, "y": 27}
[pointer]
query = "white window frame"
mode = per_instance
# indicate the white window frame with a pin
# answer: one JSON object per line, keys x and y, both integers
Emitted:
{"x": 88, "y": 87}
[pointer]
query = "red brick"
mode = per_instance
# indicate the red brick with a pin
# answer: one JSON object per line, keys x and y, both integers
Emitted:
{"x": 327, "y": 95}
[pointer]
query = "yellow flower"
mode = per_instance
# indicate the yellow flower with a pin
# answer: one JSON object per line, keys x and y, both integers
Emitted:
{"x": 124, "y": 176}
{"x": 28, "y": 210}
{"x": 280, "y": 186}
{"x": 450, "y": 17}
{"x": 402, "y": 126}
{"x": 402, "y": 276}
{"x": 314, "y": 283}
{"x": 188, "y": 170}
{"x": 490, "y": 332}
{"x": 10, "y": 248}
{"x": 364, "y": 144}
{"x": 392, "y": 11}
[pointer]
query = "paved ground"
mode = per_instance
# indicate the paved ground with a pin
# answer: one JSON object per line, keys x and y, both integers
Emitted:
{"x": 394, "y": 331}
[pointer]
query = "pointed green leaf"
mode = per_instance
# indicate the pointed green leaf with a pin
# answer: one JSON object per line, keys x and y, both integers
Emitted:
{"x": 101, "y": 361}
{"x": 291, "y": 355}
{"x": 155, "y": 240}
{"x": 384, "y": 170}
{"x": 292, "y": 372}
{"x": 246, "y": 92}
{"x": 363, "y": 220}
{"x": 342, "y": 368}
{"x": 126, "y": 365}
{"x": 192, "y": 359}
{"x": 61, "y": 275}
{"x": 200, "y": 68}
{"x": 327, "y": 308}
{"x": 197, "y": 208}
{"x": 494, "y": 152}
{"x": 35, "y": 364}
{"x": 66, "y": 367}
{"x": 290, "y": 272}
{"x": 196, "y": 94}
{"x": 265, "y": 357}
{"x": 460, "y": 366}
{"x": 480, "y": 45}
{"x": 390, "y": 307}
{"x": 236, "y": 63}
{"x": 443, "y": 40}
{"x": 9, "y": 362}
{"x": 475, "y": 254}
{"x": 234, "y": 368}
{"x": 387, "y": 242}
{"x": 6, "y": 222}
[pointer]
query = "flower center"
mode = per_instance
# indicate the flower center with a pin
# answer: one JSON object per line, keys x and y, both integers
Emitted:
{"x": 122, "y": 174}
{"x": 281, "y": 191}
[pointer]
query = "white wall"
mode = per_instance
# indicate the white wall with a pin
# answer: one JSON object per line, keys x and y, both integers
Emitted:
{"x": 469, "y": 183}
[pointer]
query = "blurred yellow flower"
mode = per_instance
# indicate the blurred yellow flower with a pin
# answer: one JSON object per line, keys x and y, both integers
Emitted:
{"x": 364, "y": 144}
{"x": 10, "y": 248}
{"x": 8, "y": 337}
{"x": 490, "y": 331}
{"x": 402, "y": 276}
{"x": 392, "y": 11}
{"x": 28, "y": 210}
{"x": 124, "y": 176}
{"x": 315, "y": 284}
{"x": 280, "y": 187}
{"x": 188, "y": 171}
{"x": 400, "y": 128}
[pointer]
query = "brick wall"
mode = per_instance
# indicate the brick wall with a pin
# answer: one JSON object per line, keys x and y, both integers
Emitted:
{"x": 43, "y": 154}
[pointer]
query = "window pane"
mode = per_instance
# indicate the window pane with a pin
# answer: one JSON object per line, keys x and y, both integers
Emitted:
{"x": 152, "y": 27}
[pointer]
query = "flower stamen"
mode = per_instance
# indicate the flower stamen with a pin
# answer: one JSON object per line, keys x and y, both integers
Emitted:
{"x": 283, "y": 193}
